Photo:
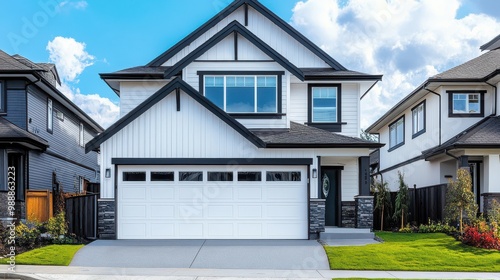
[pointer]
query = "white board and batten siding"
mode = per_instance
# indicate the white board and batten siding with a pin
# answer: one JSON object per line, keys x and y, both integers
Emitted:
{"x": 133, "y": 93}
{"x": 263, "y": 28}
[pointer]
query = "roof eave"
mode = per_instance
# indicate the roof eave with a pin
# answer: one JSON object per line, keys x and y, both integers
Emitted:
{"x": 324, "y": 145}
{"x": 343, "y": 77}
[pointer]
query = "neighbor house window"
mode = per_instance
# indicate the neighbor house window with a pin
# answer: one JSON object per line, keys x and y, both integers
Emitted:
{"x": 243, "y": 94}
{"x": 466, "y": 103}
{"x": 418, "y": 119}
{"x": 50, "y": 116}
{"x": 397, "y": 134}
{"x": 82, "y": 135}
{"x": 2, "y": 97}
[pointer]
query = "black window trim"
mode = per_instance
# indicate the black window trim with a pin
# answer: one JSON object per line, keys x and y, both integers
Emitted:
{"x": 422, "y": 131}
{"x": 279, "y": 75}
{"x": 404, "y": 134}
{"x": 464, "y": 115}
{"x": 330, "y": 126}
{"x": 3, "y": 98}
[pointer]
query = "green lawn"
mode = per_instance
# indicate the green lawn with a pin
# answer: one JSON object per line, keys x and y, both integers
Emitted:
{"x": 414, "y": 252}
{"x": 49, "y": 255}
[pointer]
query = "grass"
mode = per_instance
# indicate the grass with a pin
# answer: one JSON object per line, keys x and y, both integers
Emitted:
{"x": 49, "y": 255}
{"x": 414, "y": 252}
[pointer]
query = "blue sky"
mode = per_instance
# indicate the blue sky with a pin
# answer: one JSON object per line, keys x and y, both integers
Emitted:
{"x": 406, "y": 40}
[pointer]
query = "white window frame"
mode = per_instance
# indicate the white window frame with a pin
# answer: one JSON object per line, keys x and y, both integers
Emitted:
{"x": 418, "y": 119}
{"x": 255, "y": 77}
{"x": 395, "y": 126}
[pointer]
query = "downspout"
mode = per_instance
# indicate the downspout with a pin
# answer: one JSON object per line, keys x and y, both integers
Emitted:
{"x": 496, "y": 97}
{"x": 448, "y": 154}
{"x": 440, "y": 111}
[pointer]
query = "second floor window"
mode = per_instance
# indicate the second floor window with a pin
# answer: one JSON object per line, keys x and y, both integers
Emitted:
{"x": 324, "y": 104}
{"x": 397, "y": 134}
{"x": 418, "y": 119}
{"x": 466, "y": 103}
{"x": 243, "y": 94}
{"x": 2, "y": 97}
{"x": 82, "y": 135}
{"x": 50, "y": 118}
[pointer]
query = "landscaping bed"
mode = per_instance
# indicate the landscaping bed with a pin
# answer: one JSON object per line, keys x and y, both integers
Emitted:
{"x": 415, "y": 252}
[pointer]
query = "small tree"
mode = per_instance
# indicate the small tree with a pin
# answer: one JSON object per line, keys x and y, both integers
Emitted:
{"x": 368, "y": 137}
{"x": 402, "y": 200}
{"x": 383, "y": 200}
{"x": 460, "y": 198}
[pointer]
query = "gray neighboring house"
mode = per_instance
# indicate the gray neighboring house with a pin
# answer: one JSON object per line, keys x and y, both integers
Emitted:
{"x": 42, "y": 134}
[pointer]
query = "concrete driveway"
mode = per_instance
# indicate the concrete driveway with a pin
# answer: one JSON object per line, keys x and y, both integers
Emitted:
{"x": 216, "y": 254}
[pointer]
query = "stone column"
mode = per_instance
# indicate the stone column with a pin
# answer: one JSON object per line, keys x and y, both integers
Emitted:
{"x": 316, "y": 217}
{"x": 348, "y": 214}
{"x": 364, "y": 211}
{"x": 106, "y": 223}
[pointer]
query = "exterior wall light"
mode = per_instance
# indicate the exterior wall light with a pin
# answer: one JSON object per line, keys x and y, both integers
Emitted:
{"x": 108, "y": 173}
{"x": 315, "y": 173}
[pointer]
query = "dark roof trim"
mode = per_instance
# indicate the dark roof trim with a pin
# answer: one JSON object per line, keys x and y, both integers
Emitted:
{"x": 401, "y": 164}
{"x": 487, "y": 45}
{"x": 177, "y": 83}
{"x": 234, "y": 26}
{"x": 264, "y": 11}
{"x": 26, "y": 141}
{"x": 131, "y": 76}
{"x": 460, "y": 146}
{"x": 324, "y": 145}
{"x": 343, "y": 77}
{"x": 212, "y": 161}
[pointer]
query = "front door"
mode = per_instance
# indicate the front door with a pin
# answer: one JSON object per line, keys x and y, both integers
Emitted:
{"x": 330, "y": 190}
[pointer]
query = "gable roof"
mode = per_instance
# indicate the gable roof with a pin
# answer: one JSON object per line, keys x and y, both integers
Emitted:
{"x": 158, "y": 61}
{"x": 491, "y": 45}
{"x": 12, "y": 134}
{"x": 483, "y": 134}
{"x": 46, "y": 77}
{"x": 302, "y": 136}
{"x": 478, "y": 70}
{"x": 176, "y": 84}
{"x": 234, "y": 26}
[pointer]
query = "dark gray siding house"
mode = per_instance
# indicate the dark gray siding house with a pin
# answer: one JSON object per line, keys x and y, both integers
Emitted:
{"x": 42, "y": 135}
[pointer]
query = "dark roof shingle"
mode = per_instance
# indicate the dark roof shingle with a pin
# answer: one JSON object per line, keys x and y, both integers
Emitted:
{"x": 11, "y": 133}
{"x": 477, "y": 68}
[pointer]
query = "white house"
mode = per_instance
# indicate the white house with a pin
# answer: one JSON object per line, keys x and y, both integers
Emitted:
{"x": 243, "y": 130}
{"x": 451, "y": 121}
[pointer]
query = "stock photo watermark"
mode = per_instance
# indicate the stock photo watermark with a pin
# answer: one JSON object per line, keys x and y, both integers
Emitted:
{"x": 11, "y": 227}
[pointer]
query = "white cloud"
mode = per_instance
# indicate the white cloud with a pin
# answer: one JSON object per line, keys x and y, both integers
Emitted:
{"x": 71, "y": 59}
{"x": 79, "y": 5}
{"x": 405, "y": 40}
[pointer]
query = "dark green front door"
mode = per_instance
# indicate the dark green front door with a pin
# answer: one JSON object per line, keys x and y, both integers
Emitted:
{"x": 330, "y": 190}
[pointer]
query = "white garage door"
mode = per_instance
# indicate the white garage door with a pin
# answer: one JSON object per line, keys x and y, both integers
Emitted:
{"x": 212, "y": 202}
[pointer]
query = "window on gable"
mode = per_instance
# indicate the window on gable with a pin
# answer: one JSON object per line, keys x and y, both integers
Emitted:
{"x": 50, "y": 116}
{"x": 418, "y": 119}
{"x": 466, "y": 104}
{"x": 244, "y": 94}
{"x": 397, "y": 134}
{"x": 2, "y": 97}
{"x": 82, "y": 135}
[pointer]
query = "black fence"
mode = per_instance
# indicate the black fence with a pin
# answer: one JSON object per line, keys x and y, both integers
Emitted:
{"x": 425, "y": 204}
{"x": 81, "y": 214}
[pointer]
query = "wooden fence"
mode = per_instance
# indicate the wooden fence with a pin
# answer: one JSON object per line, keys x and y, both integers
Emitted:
{"x": 81, "y": 215}
{"x": 425, "y": 204}
{"x": 39, "y": 205}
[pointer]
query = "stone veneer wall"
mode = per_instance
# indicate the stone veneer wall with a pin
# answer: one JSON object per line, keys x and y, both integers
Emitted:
{"x": 348, "y": 214}
{"x": 106, "y": 223}
{"x": 316, "y": 217}
{"x": 364, "y": 211}
{"x": 3, "y": 206}
{"x": 488, "y": 199}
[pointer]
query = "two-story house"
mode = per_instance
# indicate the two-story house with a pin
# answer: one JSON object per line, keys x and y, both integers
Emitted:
{"x": 451, "y": 121}
{"x": 42, "y": 134}
{"x": 243, "y": 130}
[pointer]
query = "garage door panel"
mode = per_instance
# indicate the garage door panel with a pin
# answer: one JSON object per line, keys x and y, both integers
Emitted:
{"x": 162, "y": 211}
{"x": 162, "y": 193}
{"x": 214, "y": 210}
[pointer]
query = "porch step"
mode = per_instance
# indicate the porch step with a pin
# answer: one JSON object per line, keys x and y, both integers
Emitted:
{"x": 346, "y": 233}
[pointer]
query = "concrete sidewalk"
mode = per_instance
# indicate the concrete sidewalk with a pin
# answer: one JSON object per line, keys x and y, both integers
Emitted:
{"x": 94, "y": 273}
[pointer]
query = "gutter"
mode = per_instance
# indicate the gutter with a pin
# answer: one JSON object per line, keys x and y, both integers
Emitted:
{"x": 496, "y": 97}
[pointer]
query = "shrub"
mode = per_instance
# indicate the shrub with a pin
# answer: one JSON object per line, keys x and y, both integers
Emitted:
{"x": 56, "y": 226}
{"x": 494, "y": 213}
{"x": 487, "y": 240}
{"x": 433, "y": 227}
{"x": 460, "y": 201}
{"x": 28, "y": 234}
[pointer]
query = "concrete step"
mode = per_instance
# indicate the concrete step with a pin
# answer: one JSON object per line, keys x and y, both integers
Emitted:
{"x": 346, "y": 233}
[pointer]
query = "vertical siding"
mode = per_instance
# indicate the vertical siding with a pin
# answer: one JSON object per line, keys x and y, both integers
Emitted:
{"x": 16, "y": 103}
{"x": 134, "y": 93}
{"x": 63, "y": 141}
{"x": 248, "y": 51}
{"x": 266, "y": 30}
{"x": 350, "y": 110}
{"x": 299, "y": 103}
